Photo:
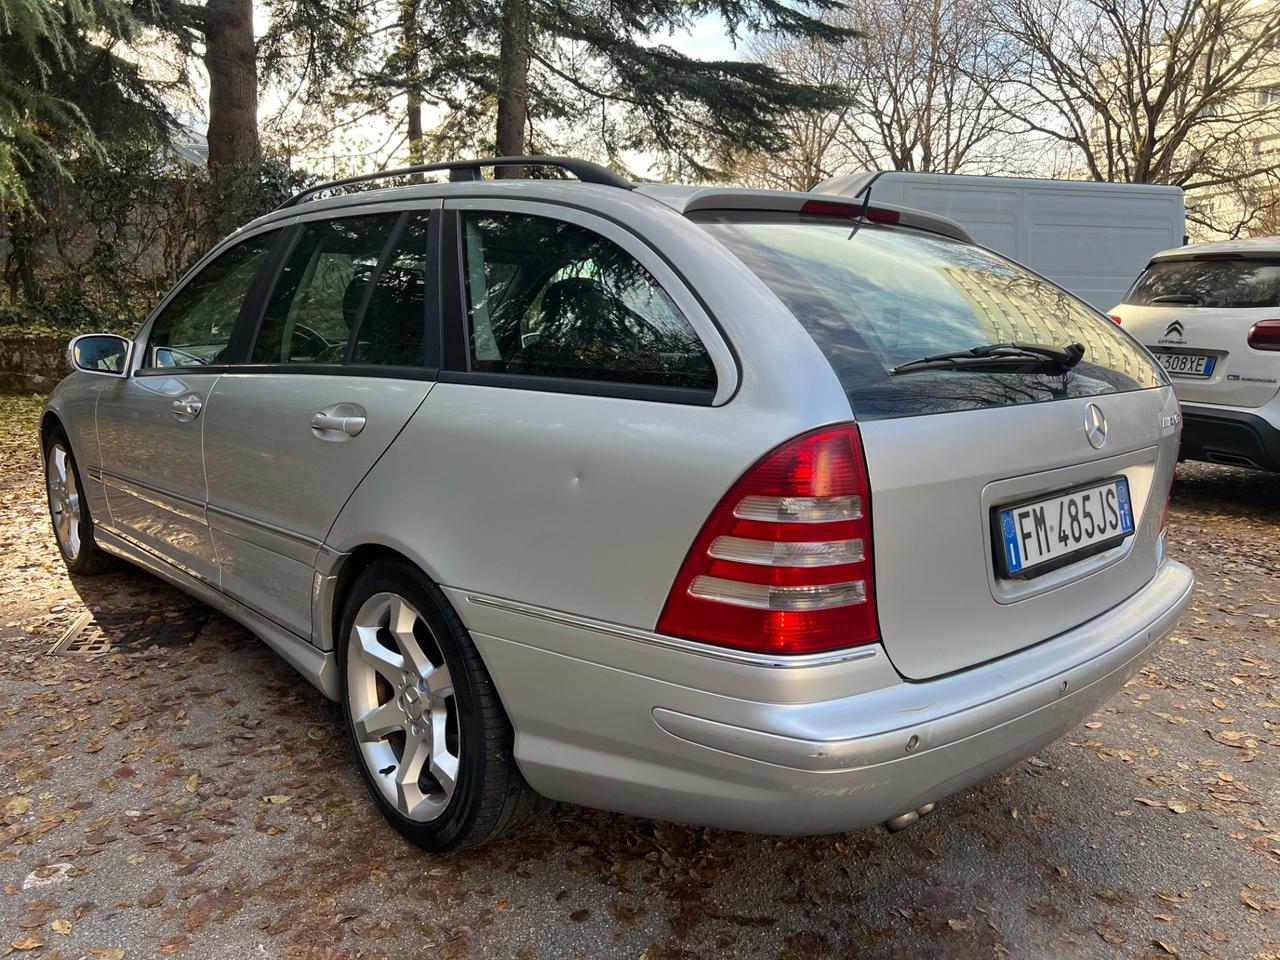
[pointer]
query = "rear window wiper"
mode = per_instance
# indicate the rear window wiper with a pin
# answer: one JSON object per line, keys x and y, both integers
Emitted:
{"x": 998, "y": 356}
{"x": 1185, "y": 298}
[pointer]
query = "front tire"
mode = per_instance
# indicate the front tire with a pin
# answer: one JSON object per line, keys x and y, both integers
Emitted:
{"x": 69, "y": 510}
{"x": 429, "y": 733}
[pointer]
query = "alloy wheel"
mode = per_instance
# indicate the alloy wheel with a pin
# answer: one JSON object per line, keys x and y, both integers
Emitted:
{"x": 404, "y": 711}
{"x": 64, "y": 500}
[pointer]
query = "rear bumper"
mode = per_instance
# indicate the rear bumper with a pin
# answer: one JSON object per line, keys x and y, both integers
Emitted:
{"x": 1220, "y": 435}
{"x": 652, "y": 744}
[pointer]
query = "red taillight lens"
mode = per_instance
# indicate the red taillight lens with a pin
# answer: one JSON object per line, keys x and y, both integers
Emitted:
{"x": 1116, "y": 319}
{"x": 1265, "y": 335}
{"x": 855, "y": 211}
{"x": 783, "y": 564}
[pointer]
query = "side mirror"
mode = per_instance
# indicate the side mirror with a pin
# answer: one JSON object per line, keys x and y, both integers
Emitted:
{"x": 102, "y": 353}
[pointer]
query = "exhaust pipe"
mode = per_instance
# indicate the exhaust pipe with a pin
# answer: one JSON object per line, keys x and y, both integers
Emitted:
{"x": 904, "y": 820}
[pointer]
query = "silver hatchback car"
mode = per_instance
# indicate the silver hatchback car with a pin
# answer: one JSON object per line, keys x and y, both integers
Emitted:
{"x": 753, "y": 509}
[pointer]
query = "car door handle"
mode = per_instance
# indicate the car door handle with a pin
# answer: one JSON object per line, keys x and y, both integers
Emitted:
{"x": 324, "y": 422}
{"x": 186, "y": 408}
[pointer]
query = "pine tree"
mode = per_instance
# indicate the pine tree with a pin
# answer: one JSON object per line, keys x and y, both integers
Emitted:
{"x": 61, "y": 84}
{"x": 521, "y": 76}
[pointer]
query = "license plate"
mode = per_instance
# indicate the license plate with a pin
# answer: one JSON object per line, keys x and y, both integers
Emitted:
{"x": 1040, "y": 535}
{"x": 1187, "y": 364}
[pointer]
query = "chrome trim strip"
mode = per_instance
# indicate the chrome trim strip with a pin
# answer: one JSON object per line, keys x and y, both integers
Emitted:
{"x": 176, "y": 503}
{"x": 618, "y": 631}
{"x": 286, "y": 543}
{"x": 225, "y": 514}
{"x": 93, "y": 472}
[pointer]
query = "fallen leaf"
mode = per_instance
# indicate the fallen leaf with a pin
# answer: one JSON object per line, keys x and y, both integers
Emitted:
{"x": 152, "y": 898}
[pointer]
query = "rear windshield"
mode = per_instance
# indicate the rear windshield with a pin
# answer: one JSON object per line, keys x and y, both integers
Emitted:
{"x": 1233, "y": 284}
{"x": 873, "y": 298}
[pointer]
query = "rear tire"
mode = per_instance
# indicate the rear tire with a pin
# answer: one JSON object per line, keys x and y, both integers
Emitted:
{"x": 429, "y": 733}
{"x": 69, "y": 510}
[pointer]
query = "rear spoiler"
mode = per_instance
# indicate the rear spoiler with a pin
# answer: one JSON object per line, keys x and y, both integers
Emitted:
{"x": 788, "y": 201}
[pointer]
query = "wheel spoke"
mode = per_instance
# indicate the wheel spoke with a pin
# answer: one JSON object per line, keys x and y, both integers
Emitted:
{"x": 400, "y": 622}
{"x": 380, "y": 721}
{"x": 386, "y": 662}
{"x": 416, "y": 755}
{"x": 444, "y": 765}
{"x": 440, "y": 681}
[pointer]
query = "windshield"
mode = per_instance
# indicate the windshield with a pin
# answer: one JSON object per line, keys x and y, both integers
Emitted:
{"x": 874, "y": 298}
{"x": 1231, "y": 284}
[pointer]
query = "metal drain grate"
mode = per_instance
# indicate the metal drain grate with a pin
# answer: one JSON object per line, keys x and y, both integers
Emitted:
{"x": 74, "y": 641}
{"x": 92, "y": 633}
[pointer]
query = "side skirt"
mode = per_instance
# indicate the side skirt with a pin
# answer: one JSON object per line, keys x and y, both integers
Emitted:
{"x": 317, "y": 666}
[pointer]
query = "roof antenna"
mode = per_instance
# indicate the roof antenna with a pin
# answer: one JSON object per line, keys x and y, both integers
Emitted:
{"x": 865, "y": 193}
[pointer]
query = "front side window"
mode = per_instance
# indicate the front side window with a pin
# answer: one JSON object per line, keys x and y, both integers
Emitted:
{"x": 1225, "y": 284}
{"x": 195, "y": 328}
{"x": 311, "y": 313}
{"x": 547, "y": 298}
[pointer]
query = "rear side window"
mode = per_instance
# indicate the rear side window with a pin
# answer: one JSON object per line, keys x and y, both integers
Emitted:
{"x": 874, "y": 298}
{"x": 312, "y": 311}
{"x": 391, "y": 330}
{"x": 195, "y": 328}
{"x": 1230, "y": 284}
{"x": 547, "y": 298}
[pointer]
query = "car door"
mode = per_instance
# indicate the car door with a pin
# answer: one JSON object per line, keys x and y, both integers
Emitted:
{"x": 150, "y": 424}
{"x": 339, "y": 361}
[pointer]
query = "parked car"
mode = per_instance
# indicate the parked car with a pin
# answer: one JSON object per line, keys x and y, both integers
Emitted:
{"x": 736, "y": 507}
{"x": 1211, "y": 314}
{"x": 1088, "y": 237}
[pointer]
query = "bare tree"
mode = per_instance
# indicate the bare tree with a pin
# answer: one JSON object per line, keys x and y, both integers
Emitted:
{"x": 922, "y": 87}
{"x": 916, "y": 87}
{"x": 1150, "y": 91}
{"x": 816, "y": 149}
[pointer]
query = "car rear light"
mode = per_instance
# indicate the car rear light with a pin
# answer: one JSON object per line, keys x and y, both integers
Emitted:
{"x": 1265, "y": 335}
{"x": 1115, "y": 319}
{"x": 783, "y": 564}
{"x": 854, "y": 211}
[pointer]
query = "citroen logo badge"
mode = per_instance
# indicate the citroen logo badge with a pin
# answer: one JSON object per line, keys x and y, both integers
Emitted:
{"x": 1175, "y": 327}
{"x": 1095, "y": 426}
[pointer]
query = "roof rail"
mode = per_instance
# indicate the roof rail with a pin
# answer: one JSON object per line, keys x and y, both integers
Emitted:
{"x": 465, "y": 170}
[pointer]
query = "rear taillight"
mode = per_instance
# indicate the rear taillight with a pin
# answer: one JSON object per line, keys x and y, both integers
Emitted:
{"x": 1116, "y": 319}
{"x": 783, "y": 564}
{"x": 1265, "y": 335}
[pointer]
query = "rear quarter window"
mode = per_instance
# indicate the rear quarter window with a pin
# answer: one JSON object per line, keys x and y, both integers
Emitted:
{"x": 876, "y": 297}
{"x": 1225, "y": 284}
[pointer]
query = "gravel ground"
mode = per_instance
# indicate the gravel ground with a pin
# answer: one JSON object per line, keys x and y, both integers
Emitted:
{"x": 185, "y": 793}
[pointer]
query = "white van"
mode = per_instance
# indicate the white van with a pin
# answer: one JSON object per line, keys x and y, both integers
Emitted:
{"x": 1092, "y": 238}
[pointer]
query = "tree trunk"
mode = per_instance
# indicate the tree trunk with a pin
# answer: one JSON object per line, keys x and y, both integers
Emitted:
{"x": 20, "y": 274}
{"x": 231, "y": 58}
{"x": 413, "y": 79}
{"x": 513, "y": 84}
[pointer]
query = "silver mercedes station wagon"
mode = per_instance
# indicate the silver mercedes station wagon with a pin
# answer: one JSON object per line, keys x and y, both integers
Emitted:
{"x": 760, "y": 510}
